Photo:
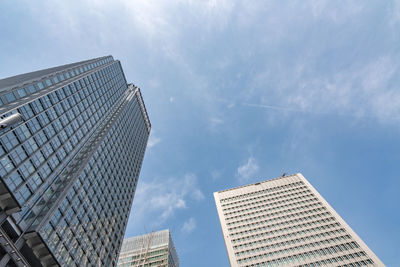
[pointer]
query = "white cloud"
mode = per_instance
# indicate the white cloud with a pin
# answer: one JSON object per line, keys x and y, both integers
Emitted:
{"x": 171, "y": 99}
{"x": 153, "y": 140}
{"x": 216, "y": 174}
{"x": 248, "y": 169}
{"x": 198, "y": 195}
{"x": 364, "y": 92}
{"x": 189, "y": 226}
{"x": 215, "y": 122}
{"x": 156, "y": 201}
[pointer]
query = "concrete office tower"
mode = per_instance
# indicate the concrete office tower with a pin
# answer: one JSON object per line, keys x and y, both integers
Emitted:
{"x": 72, "y": 141}
{"x": 154, "y": 249}
{"x": 286, "y": 222}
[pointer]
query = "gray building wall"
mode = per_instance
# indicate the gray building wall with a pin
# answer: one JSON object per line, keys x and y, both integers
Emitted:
{"x": 69, "y": 168}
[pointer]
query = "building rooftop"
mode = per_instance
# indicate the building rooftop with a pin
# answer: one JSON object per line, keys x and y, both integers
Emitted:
{"x": 26, "y": 77}
{"x": 265, "y": 181}
{"x": 156, "y": 239}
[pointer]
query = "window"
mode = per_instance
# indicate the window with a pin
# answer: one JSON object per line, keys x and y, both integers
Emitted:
{"x": 22, "y": 92}
{"x": 10, "y": 97}
{"x": 40, "y": 85}
{"x": 32, "y": 89}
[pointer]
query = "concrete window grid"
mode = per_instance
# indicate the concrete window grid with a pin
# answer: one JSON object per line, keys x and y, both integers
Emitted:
{"x": 303, "y": 243}
{"x": 284, "y": 240}
{"x": 302, "y": 250}
{"x": 297, "y": 191}
{"x": 259, "y": 237}
{"x": 300, "y": 259}
{"x": 280, "y": 205}
{"x": 254, "y": 195}
{"x": 302, "y": 230}
{"x": 295, "y": 217}
{"x": 279, "y": 226}
{"x": 273, "y": 205}
{"x": 271, "y": 201}
{"x": 46, "y": 143}
{"x": 276, "y": 215}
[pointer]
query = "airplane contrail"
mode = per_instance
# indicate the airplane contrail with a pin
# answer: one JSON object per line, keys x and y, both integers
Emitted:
{"x": 272, "y": 107}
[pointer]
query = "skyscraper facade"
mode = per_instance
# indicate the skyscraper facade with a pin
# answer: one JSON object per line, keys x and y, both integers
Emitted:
{"x": 286, "y": 222}
{"x": 153, "y": 249}
{"x": 72, "y": 141}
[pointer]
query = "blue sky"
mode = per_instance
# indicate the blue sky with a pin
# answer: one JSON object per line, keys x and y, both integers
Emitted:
{"x": 239, "y": 92}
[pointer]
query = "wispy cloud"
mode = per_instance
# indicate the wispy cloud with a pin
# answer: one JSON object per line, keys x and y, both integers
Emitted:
{"x": 156, "y": 201}
{"x": 153, "y": 140}
{"x": 216, "y": 174}
{"x": 215, "y": 122}
{"x": 189, "y": 226}
{"x": 248, "y": 169}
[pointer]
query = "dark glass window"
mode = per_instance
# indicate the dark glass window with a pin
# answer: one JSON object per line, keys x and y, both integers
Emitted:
{"x": 32, "y": 89}
{"x": 10, "y": 97}
{"x": 22, "y": 92}
{"x": 40, "y": 85}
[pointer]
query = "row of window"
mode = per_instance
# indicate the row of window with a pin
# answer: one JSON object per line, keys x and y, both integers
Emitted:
{"x": 12, "y": 96}
{"x": 288, "y": 240}
{"x": 295, "y": 207}
{"x": 305, "y": 256}
{"x": 293, "y": 245}
{"x": 286, "y": 225}
{"x": 278, "y": 205}
{"x": 140, "y": 254}
{"x": 142, "y": 259}
{"x": 257, "y": 193}
{"x": 281, "y": 233}
{"x": 291, "y": 228}
{"x": 270, "y": 223}
{"x": 268, "y": 218}
{"x": 277, "y": 238}
{"x": 298, "y": 191}
{"x": 328, "y": 262}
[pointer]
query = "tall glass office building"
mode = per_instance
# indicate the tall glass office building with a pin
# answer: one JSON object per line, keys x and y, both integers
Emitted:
{"x": 286, "y": 222}
{"x": 72, "y": 141}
